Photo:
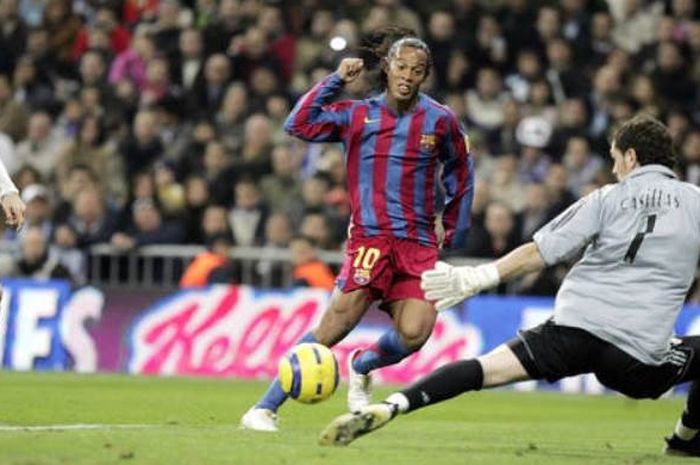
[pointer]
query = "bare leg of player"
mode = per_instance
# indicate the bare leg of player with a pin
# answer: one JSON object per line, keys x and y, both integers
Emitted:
{"x": 497, "y": 368}
{"x": 343, "y": 314}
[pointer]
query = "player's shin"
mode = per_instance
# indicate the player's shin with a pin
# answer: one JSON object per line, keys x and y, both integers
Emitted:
{"x": 444, "y": 383}
{"x": 388, "y": 350}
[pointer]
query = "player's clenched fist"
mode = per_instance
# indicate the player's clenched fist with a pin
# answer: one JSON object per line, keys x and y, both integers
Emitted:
{"x": 350, "y": 68}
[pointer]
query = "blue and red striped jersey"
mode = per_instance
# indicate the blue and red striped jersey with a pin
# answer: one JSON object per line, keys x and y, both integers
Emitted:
{"x": 402, "y": 170}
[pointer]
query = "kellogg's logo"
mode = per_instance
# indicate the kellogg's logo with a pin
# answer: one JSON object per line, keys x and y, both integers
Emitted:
{"x": 239, "y": 332}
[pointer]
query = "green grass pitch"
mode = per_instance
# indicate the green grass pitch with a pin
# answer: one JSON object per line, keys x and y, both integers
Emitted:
{"x": 178, "y": 421}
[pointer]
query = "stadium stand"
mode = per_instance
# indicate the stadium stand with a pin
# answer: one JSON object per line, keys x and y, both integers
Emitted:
{"x": 151, "y": 124}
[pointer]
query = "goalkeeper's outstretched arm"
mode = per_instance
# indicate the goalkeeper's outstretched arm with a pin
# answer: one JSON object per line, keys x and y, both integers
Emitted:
{"x": 448, "y": 285}
{"x": 523, "y": 260}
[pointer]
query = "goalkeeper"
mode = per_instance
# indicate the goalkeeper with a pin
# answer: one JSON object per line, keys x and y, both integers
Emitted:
{"x": 616, "y": 309}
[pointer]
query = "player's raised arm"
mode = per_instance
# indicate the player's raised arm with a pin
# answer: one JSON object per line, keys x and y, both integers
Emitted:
{"x": 458, "y": 181}
{"x": 314, "y": 118}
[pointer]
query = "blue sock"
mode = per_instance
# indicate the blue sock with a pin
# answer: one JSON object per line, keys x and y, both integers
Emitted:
{"x": 386, "y": 351}
{"x": 274, "y": 397}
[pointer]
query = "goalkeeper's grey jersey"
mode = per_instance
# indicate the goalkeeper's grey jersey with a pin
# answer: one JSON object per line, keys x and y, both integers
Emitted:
{"x": 641, "y": 239}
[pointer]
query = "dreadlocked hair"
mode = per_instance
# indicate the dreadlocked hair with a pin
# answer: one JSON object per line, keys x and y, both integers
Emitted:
{"x": 378, "y": 44}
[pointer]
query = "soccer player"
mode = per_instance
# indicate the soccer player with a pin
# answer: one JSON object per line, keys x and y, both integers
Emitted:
{"x": 616, "y": 309}
{"x": 405, "y": 153}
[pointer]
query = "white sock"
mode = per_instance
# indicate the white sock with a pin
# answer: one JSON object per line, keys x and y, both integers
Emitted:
{"x": 399, "y": 400}
{"x": 684, "y": 432}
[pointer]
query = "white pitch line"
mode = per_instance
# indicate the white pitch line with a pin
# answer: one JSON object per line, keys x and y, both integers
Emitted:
{"x": 76, "y": 427}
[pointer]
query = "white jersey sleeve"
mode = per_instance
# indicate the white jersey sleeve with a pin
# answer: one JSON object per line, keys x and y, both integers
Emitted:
{"x": 6, "y": 184}
{"x": 565, "y": 236}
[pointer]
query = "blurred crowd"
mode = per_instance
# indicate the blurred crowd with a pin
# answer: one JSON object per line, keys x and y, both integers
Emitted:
{"x": 136, "y": 122}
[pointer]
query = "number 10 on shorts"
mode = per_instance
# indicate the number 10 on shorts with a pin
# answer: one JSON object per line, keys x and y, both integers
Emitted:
{"x": 364, "y": 262}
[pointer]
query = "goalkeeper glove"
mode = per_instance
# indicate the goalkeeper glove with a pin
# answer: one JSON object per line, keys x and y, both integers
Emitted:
{"x": 449, "y": 285}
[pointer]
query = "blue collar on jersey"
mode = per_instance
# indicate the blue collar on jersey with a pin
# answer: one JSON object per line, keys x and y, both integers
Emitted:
{"x": 381, "y": 98}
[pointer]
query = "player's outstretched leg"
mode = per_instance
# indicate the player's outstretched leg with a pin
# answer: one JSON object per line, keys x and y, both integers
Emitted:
{"x": 444, "y": 383}
{"x": 263, "y": 415}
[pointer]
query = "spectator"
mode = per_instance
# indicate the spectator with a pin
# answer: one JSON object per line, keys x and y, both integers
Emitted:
{"x": 248, "y": 215}
{"x": 606, "y": 86}
{"x": 485, "y": 103}
{"x": 106, "y": 21}
{"x": 309, "y": 270}
{"x": 93, "y": 70}
{"x": 170, "y": 193}
{"x": 197, "y": 197}
{"x": 130, "y": 65}
{"x": 500, "y": 235}
{"x": 312, "y": 47}
{"x": 36, "y": 93}
{"x": 142, "y": 148}
{"x": 573, "y": 121}
{"x": 505, "y": 185}
{"x": 528, "y": 69}
{"x": 79, "y": 178}
{"x": 214, "y": 221}
{"x": 175, "y": 130}
{"x": 441, "y": 37}
{"x": 672, "y": 78}
{"x": 278, "y": 233}
{"x": 635, "y": 23}
{"x": 689, "y": 159}
{"x": 14, "y": 116}
{"x": 536, "y": 211}
{"x": 13, "y": 34}
{"x": 281, "y": 44}
{"x": 36, "y": 260}
{"x": 250, "y": 51}
{"x": 482, "y": 198}
{"x": 255, "y": 156}
{"x": 156, "y": 86}
{"x": 227, "y": 24}
{"x": 148, "y": 228}
{"x": 282, "y": 189}
{"x": 90, "y": 223}
{"x": 187, "y": 64}
{"x": 601, "y": 41}
{"x": 533, "y": 134}
{"x": 316, "y": 227}
{"x": 206, "y": 95}
{"x": 218, "y": 171}
{"x": 41, "y": 148}
{"x": 490, "y": 48}
{"x": 62, "y": 26}
{"x": 214, "y": 265}
{"x": 557, "y": 185}
{"x": 89, "y": 148}
{"x": 166, "y": 29}
{"x": 581, "y": 164}
{"x": 230, "y": 120}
